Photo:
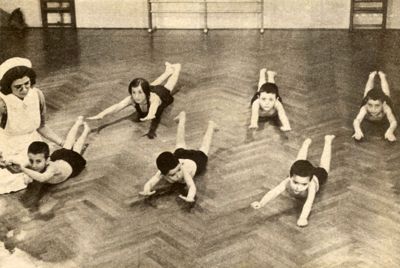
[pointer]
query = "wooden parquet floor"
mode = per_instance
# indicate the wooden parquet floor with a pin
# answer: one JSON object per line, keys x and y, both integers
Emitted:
{"x": 103, "y": 222}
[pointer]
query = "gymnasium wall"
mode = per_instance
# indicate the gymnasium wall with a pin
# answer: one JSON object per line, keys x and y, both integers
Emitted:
{"x": 278, "y": 14}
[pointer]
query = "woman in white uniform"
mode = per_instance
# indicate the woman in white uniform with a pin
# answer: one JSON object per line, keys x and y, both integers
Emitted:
{"x": 22, "y": 115}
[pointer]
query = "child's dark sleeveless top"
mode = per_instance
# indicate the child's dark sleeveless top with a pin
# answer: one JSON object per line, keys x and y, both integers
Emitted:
{"x": 165, "y": 97}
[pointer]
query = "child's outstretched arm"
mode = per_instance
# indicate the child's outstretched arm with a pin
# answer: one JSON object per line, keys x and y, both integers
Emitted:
{"x": 191, "y": 187}
{"x": 282, "y": 116}
{"x": 358, "y": 134}
{"x": 255, "y": 107}
{"x": 113, "y": 109}
{"x": 272, "y": 194}
{"x": 155, "y": 102}
{"x": 150, "y": 184}
{"x": 303, "y": 219}
{"x": 389, "y": 134}
{"x": 37, "y": 176}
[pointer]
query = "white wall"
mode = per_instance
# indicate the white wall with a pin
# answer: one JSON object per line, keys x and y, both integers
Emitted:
{"x": 278, "y": 14}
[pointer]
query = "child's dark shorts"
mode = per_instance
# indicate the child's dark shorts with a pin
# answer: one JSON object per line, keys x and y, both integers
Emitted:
{"x": 321, "y": 174}
{"x": 75, "y": 160}
{"x": 197, "y": 156}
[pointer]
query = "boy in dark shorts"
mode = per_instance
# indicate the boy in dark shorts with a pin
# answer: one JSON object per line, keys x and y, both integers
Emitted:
{"x": 45, "y": 170}
{"x": 377, "y": 108}
{"x": 182, "y": 165}
{"x": 304, "y": 180}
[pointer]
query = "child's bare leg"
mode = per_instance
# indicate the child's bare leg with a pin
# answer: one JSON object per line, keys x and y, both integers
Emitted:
{"x": 384, "y": 83}
{"x": 271, "y": 77}
{"x": 167, "y": 73}
{"x": 71, "y": 136}
{"x": 205, "y": 145}
{"x": 180, "y": 133}
{"x": 80, "y": 142}
{"x": 302, "y": 154}
{"x": 262, "y": 80}
{"x": 370, "y": 83}
{"x": 326, "y": 153}
{"x": 173, "y": 79}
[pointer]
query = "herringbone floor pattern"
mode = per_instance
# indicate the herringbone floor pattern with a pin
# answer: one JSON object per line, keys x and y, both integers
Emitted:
{"x": 103, "y": 222}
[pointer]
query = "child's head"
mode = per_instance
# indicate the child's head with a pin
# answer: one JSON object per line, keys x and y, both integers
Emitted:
{"x": 17, "y": 76}
{"x": 139, "y": 89}
{"x": 374, "y": 101}
{"x": 301, "y": 174}
{"x": 169, "y": 166}
{"x": 38, "y": 154}
{"x": 267, "y": 96}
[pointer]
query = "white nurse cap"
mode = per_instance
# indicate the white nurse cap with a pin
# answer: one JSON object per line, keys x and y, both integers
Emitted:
{"x": 13, "y": 62}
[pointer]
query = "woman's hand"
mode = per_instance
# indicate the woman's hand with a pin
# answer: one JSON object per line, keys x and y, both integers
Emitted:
{"x": 186, "y": 199}
{"x": 147, "y": 118}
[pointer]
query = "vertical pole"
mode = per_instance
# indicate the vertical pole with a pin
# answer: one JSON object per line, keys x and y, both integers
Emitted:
{"x": 384, "y": 13}
{"x": 262, "y": 16}
{"x": 150, "y": 16}
{"x": 351, "y": 15}
{"x": 72, "y": 12}
{"x": 205, "y": 17}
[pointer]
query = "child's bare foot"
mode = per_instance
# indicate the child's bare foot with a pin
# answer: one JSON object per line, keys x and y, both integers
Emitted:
{"x": 180, "y": 116}
{"x": 271, "y": 73}
{"x": 169, "y": 68}
{"x": 329, "y": 138}
{"x": 86, "y": 127}
{"x": 177, "y": 67}
{"x": 213, "y": 125}
{"x": 263, "y": 71}
{"x": 79, "y": 120}
{"x": 381, "y": 74}
{"x": 372, "y": 74}
{"x": 307, "y": 141}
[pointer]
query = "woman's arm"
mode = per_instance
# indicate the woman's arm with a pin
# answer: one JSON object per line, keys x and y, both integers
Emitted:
{"x": 282, "y": 116}
{"x": 272, "y": 194}
{"x": 113, "y": 109}
{"x": 312, "y": 190}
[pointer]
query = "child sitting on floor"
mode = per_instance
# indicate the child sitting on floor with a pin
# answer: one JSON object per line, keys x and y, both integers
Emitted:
{"x": 304, "y": 180}
{"x": 376, "y": 107}
{"x": 267, "y": 104}
{"x": 182, "y": 165}
{"x": 149, "y": 100}
{"x": 45, "y": 169}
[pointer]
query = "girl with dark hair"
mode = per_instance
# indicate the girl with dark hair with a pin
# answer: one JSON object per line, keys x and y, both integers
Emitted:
{"x": 266, "y": 104}
{"x": 149, "y": 100}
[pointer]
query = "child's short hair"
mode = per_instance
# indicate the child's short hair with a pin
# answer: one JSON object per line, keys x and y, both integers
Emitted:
{"x": 375, "y": 94}
{"x": 39, "y": 147}
{"x": 302, "y": 168}
{"x": 270, "y": 88}
{"x": 13, "y": 74}
{"x": 142, "y": 83}
{"x": 166, "y": 161}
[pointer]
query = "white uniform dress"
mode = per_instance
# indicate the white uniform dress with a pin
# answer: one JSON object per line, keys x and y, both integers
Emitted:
{"x": 23, "y": 120}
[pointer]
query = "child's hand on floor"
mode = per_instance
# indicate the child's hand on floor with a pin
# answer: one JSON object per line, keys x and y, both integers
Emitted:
{"x": 256, "y": 205}
{"x": 358, "y": 135}
{"x": 96, "y": 117}
{"x": 286, "y": 128}
{"x": 147, "y": 118}
{"x": 253, "y": 127}
{"x": 390, "y": 136}
{"x": 186, "y": 199}
{"x": 302, "y": 222}
{"x": 147, "y": 193}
